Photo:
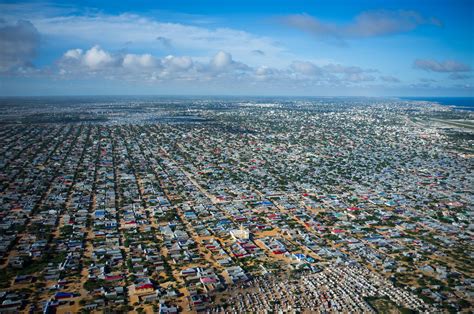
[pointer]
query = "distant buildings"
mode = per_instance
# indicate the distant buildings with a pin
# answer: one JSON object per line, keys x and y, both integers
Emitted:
{"x": 325, "y": 205}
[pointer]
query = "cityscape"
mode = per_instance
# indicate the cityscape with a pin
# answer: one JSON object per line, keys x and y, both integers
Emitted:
{"x": 270, "y": 156}
{"x": 235, "y": 204}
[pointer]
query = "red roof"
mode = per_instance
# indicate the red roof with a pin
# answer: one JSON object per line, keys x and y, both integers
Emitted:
{"x": 144, "y": 286}
{"x": 278, "y": 252}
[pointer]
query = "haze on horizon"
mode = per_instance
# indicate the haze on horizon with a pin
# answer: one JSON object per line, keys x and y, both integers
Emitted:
{"x": 317, "y": 48}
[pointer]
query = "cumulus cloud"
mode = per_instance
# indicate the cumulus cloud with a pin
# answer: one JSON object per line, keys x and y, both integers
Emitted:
{"x": 97, "y": 61}
{"x": 18, "y": 44}
{"x": 145, "y": 61}
{"x": 389, "y": 79}
{"x": 73, "y": 54}
{"x": 448, "y": 66}
{"x": 105, "y": 64}
{"x": 94, "y": 59}
{"x": 306, "y": 68}
{"x": 222, "y": 61}
{"x": 265, "y": 72}
{"x": 174, "y": 64}
{"x": 366, "y": 24}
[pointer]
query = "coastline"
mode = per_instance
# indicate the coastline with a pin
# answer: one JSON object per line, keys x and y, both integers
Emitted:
{"x": 457, "y": 103}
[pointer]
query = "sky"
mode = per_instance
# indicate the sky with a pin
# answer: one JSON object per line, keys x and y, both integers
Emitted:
{"x": 264, "y": 47}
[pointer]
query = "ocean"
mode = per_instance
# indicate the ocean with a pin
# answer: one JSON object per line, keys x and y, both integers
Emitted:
{"x": 461, "y": 103}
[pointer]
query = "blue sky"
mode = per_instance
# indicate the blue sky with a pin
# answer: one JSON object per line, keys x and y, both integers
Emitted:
{"x": 341, "y": 48}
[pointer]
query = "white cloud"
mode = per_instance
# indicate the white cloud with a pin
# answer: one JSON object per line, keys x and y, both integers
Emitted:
{"x": 221, "y": 60}
{"x": 221, "y": 67}
{"x": 177, "y": 63}
{"x": 96, "y": 58}
{"x": 305, "y": 67}
{"x": 264, "y": 70}
{"x": 145, "y": 61}
{"x": 75, "y": 54}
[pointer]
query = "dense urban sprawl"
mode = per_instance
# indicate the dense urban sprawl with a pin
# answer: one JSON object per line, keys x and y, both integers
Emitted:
{"x": 234, "y": 205}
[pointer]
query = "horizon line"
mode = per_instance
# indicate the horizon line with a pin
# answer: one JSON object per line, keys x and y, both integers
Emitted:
{"x": 230, "y": 95}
